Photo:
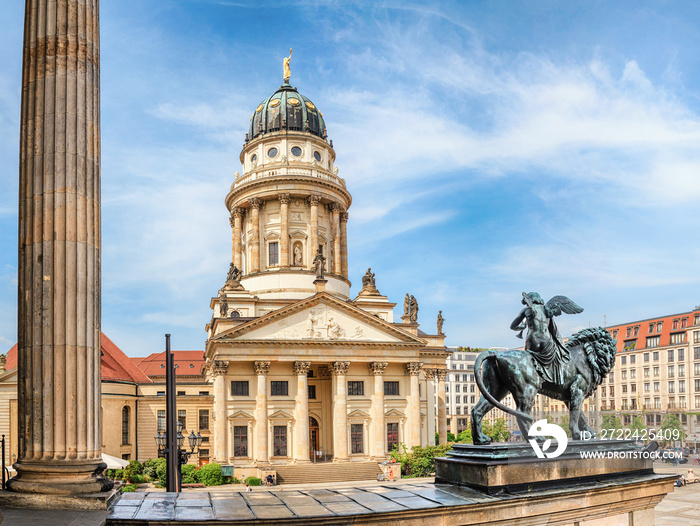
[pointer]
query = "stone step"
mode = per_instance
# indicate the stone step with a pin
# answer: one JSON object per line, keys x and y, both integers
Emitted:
{"x": 328, "y": 472}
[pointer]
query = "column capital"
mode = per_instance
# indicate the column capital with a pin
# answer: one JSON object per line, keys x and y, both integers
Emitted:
{"x": 340, "y": 368}
{"x": 430, "y": 372}
{"x": 314, "y": 200}
{"x": 237, "y": 211}
{"x": 343, "y": 217}
{"x": 334, "y": 207}
{"x": 301, "y": 368}
{"x": 441, "y": 374}
{"x": 283, "y": 198}
{"x": 377, "y": 368}
{"x": 261, "y": 367}
{"x": 255, "y": 202}
{"x": 219, "y": 367}
{"x": 413, "y": 368}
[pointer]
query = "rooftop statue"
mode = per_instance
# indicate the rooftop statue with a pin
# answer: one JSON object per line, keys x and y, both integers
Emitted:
{"x": 413, "y": 304}
{"x": 319, "y": 263}
{"x": 233, "y": 273}
{"x": 568, "y": 372}
{"x": 368, "y": 279}
{"x": 440, "y": 321}
{"x": 287, "y": 71}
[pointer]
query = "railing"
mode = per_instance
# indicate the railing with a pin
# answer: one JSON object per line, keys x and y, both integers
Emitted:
{"x": 289, "y": 170}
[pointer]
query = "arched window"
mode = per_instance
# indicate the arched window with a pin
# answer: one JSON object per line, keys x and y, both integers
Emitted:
{"x": 125, "y": 425}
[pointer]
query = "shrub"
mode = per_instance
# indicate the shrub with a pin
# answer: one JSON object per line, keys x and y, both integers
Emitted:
{"x": 137, "y": 479}
{"x": 420, "y": 462}
{"x": 253, "y": 481}
{"x": 129, "y": 488}
{"x": 209, "y": 475}
{"x": 151, "y": 467}
{"x": 188, "y": 474}
{"x": 118, "y": 474}
{"x": 134, "y": 468}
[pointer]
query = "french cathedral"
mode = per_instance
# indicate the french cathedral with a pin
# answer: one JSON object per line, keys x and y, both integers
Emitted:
{"x": 302, "y": 371}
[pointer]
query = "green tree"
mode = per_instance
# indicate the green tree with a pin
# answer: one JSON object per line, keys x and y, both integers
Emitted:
{"x": 498, "y": 431}
{"x": 610, "y": 422}
{"x": 669, "y": 425}
{"x": 420, "y": 462}
{"x": 637, "y": 425}
{"x": 465, "y": 437}
{"x": 564, "y": 424}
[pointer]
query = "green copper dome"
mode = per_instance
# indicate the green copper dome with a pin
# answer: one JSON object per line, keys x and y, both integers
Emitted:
{"x": 286, "y": 109}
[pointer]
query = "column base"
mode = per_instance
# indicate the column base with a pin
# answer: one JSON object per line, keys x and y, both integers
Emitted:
{"x": 60, "y": 477}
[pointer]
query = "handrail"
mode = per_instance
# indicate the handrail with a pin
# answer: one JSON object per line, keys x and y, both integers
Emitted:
{"x": 288, "y": 170}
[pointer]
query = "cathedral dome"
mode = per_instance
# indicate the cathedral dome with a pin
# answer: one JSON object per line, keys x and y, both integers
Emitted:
{"x": 286, "y": 109}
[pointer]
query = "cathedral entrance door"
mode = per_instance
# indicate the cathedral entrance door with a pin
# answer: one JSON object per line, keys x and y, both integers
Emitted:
{"x": 313, "y": 438}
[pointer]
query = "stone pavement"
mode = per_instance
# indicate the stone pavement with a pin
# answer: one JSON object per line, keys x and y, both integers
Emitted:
{"x": 682, "y": 507}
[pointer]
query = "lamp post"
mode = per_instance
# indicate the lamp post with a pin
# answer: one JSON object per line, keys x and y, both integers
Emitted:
{"x": 183, "y": 456}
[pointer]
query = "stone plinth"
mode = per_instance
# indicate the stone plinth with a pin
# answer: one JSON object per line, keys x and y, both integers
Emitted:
{"x": 90, "y": 501}
{"x": 513, "y": 467}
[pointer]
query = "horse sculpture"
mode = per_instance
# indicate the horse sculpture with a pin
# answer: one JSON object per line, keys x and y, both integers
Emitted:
{"x": 568, "y": 372}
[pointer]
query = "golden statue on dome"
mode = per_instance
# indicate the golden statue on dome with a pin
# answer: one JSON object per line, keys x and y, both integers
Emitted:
{"x": 287, "y": 71}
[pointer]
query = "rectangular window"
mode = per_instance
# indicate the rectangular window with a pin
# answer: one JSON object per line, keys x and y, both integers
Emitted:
{"x": 457, "y": 388}
{"x": 240, "y": 441}
{"x": 646, "y": 387}
{"x": 630, "y": 345}
{"x": 624, "y": 375}
{"x": 623, "y": 360}
{"x": 356, "y": 438}
{"x": 646, "y": 356}
{"x": 279, "y": 447}
{"x": 633, "y": 358}
{"x": 391, "y": 388}
{"x": 458, "y": 399}
{"x": 653, "y": 341}
{"x": 697, "y": 386}
{"x": 160, "y": 393}
{"x": 274, "y": 252}
{"x": 651, "y": 328}
{"x": 614, "y": 334}
{"x": 681, "y": 370}
{"x": 161, "y": 420}
{"x": 656, "y": 356}
{"x": 279, "y": 388}
{"x": 681, "y": 386}
{"x": 636, "y": 331}
{"x": 392, "y": 436}
{"x": 629, "y": 331}
{"x": 239, "y": 388}
{"x": 633, "y": 373}
{"x": 633, "y": 388}
{"x": 624, "y": 388}
{"x": 182, "y": 417}
{"x": 125, "y": 426}
{"x": 312, "y": 392}
{"x": 670, "y": 355}
{"x": 356, "y": 388}
{"x": 181, "y": 393}
{"x": 676, "y": 324}
{"x": 646, "y": 372}
{"x": 657, "y": 386}
{"x": 203, "y": 419}
{"x": 656, "y": 371}
{"x": 696, "y": 353}
{"x": 657, "y": 405}
{"x": 203, "y": 453}
{"x": 670, "y": 371}
{"x": 671, "y": 387}
{"x": 681, "y": 355}
{"x": 697, "y": 401}
{"x": 204, "y": 393}
{"x": 696, "y": 337}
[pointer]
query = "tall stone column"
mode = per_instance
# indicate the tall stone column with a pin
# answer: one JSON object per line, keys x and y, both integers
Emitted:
{"x": 430, "y": 377}
{"x": 59, "y": 270}
{"x": 413, "y": 401}
{"x": 219, "y": 370}
{"x": 314, "y": 200}
{"x": 377, "y": 428}
{"x": 442, "y": 408}
{"x": 254, "y": 243}
{"x": 284, "y": 229}
{"x": 261, "y": 426}
{"x": 236, "y": 218}
{"x": 335, "y": 226}
{"x": 301, "y": 413}
{"x": 344, "y": 244}
{"x": 340, "y": 411}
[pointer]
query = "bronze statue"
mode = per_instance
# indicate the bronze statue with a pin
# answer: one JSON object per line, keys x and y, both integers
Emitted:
{"x": 285, "y": 65}
{"x": 233, "y": 273}
{"x": 319, "y": 263}
{"x": 568, "y": 372}
{"x": 440, "y": 321}
{"x": 368, "y": 279}
{"x": 413, "y": 304}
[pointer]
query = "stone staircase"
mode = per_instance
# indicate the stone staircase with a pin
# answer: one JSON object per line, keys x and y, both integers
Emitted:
{"x": 327, "y": 472}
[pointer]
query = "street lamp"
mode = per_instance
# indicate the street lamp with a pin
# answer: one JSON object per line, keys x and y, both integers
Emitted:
{"x": 183, "y": 455}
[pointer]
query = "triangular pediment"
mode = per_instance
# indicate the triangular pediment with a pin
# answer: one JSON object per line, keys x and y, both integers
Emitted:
{"x": 241, "y": 415}
{"x": 280, "y": 415}
{"x": 394, "y": 413}
{"x": 321, "y": 317}
{"x": 357, "y": 413}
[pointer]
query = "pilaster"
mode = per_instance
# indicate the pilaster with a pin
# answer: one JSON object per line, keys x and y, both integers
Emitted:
{"x": 335, "y": 222}
{"x": 344, "y": 244}
{"x": 301, "y": 413}
{"x": 254, "y": 242}
{"x": 431, "y": 400}
{"x": 261, "y": 425}
{"x": 441, "y": 374}
{"x": 340, "y": 411}
{"x": 219, "y": 370}
{"x": 413, "y": 401}
{"x": 284, "y": 229}
{"x": 377, "y": 426}
{"x": 236, "y": 219}
{"x": 314, "y": 200}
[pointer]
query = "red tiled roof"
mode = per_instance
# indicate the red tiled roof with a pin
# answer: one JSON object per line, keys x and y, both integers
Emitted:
{"x": 187, "y": 363}
{"x": 667, "y": 328}
{"x": 115, "y": 365}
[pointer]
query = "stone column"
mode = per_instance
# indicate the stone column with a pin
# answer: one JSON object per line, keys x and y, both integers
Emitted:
{"x": 59, "y": 438}
{"x": 284, "y": 229}
{"x": 442, "y": 409}
{"x": 335, "y": 227}
{"x": 219, "y": 369}
{"x": 314, "y": 200}
{"x": 254, "y": 243}
{"x": 340, "y": 411}
{"x": 413, "y": 403}
{"x": 377, "y": 432}
{"x": 236, "y": 217}
{"x": 344, "y": 244}
{"x": 261, "y": 425}
{"x": 430, "y": 377}
{"x": 301, "y": 413}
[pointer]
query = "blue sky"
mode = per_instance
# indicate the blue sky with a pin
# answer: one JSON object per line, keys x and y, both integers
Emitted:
{"x": 491, "y": 148}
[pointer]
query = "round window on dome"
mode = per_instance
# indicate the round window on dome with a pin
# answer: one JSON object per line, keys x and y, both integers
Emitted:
{"x": 253, "y": 157}
{"x": 293, "y": 101}
{"x": 272, "y": 153}
{"x": 274, "y": 102}
{"x": 296, "y": 151}
{"x": 317, "y": 156}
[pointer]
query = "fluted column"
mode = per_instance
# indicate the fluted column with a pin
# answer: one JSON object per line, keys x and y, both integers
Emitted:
{"x": 255, "y": 240}
{"x": 59, "y": 278}
{"x": 284, "y": 229}
{"x": 430, "y": 377}
{"x": 413, "y": 402}
{"x": 442, "y": 409}
{"x": 301, "y": 413}
{"x": 219, "y": 369}
{"x": 335, "y": 226}
{"x": 344, "y": 244}
{"x": 261, "y": 370}
{"x": 236, "y": 217}
{"x": 314, "y": 200}
{"x": 377, "y": 432}
{"x": 340, "y": 411}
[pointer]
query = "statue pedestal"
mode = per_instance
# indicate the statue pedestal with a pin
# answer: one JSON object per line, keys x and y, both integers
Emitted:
{"x": 320, "y": 284}
{"x": 513, "y": 467}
